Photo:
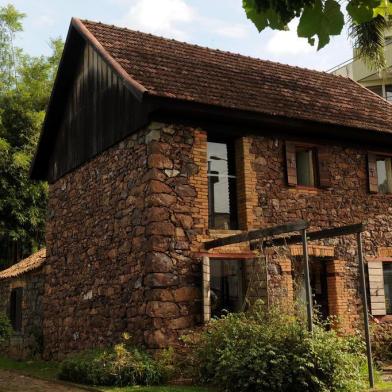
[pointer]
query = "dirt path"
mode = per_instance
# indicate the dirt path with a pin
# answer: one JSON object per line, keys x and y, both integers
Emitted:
{"x": 13, "y": 382}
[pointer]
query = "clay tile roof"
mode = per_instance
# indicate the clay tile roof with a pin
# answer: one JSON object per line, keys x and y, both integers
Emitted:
{"x": 32, "y": 262}
{"x": 168, "y": 68}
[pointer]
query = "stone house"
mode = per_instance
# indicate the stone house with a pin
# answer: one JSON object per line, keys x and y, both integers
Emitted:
{"x": 21, "y": 294}
{"x": 152, "y": 147}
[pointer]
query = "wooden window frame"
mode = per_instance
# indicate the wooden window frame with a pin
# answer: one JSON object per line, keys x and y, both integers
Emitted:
{"x": 388, "y": 315}
{"x": 234, "y": 199}
{"x": 372, "y": 157}
{"x": 322, "y": 177}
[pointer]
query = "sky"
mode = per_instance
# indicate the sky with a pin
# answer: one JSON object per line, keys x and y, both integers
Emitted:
{"x": 220, "y": 24}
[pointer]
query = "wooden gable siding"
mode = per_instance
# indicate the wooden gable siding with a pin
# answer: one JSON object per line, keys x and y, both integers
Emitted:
{"x": 99, "y": 110}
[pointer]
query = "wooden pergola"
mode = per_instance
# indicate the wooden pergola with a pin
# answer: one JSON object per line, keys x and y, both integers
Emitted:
{"x": 258, "y": 237}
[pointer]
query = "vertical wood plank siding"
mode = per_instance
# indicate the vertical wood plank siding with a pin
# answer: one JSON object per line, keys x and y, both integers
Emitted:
{"x": 98, "y": 112}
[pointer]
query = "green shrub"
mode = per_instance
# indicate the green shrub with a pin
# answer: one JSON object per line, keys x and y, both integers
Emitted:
{"x": 382, "y": 342}
{"x": 118, "y": 366}
{"x": 5, "y": 328}
{"x": 261, "y": 351}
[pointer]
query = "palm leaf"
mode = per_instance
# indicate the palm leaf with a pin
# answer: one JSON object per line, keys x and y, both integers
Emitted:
{"x": 368, "y": 38}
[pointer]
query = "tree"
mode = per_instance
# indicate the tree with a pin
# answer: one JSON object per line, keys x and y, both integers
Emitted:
{"x": 320, "y": 19}
{"x": 25, "y": 85}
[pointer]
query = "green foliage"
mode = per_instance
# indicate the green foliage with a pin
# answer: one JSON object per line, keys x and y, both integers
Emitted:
{"x": 368, "y": 38}
{"x": 324, "y": 18}
{"x": 5, "y": 328}
{"x": 118, "y": 366}
{"x": 25, "y": 85}
{"x": 321, "y": 20}
{"x": 382, "y": 342}
{"x": 262, "y": 351}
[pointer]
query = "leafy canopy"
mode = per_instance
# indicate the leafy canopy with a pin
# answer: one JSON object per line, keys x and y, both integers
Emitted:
{"x": 323, "y": 18}
{"x": 25, "y": 85}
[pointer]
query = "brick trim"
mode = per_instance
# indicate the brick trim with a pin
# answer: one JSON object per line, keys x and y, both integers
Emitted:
{"x": 338, "y": 294}
{"x": 287, "y": 283}
{"x": 384, "y": 251}
{"x": 247, "y": 199}
{"x": 313, "y": 250}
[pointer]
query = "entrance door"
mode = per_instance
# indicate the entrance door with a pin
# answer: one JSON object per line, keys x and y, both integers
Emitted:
{"x": 318, "y": 283}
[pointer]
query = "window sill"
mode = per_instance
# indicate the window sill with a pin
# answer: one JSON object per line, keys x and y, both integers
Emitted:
{"x": 305, "y": 189}
{"x": 384, "y": 319}
{"x": 213, "y": 232}
{"x": 378, "y": 194}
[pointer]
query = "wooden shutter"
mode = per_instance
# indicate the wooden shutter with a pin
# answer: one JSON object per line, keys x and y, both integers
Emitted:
{"x": 372, "y": 171}
{"x": 291, "y": 165}
{"x": 324, "y": 163}
{"x": 376, "y": 288}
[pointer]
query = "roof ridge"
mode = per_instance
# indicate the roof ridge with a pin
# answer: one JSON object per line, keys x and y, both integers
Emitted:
{"x": 212, "y": 49}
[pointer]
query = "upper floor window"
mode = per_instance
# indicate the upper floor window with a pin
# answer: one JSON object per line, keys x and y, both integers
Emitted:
{"x": 388, "y": 92}
{"x": 308, "y": 165}
{"x": 384, "y": 175}
{"x": 222, "y": 196}
{"x": 387, "y": 272}
{"x": 380, "y": 173}
{"x": 376, "y": 89}
{"x": 16, "y": 308}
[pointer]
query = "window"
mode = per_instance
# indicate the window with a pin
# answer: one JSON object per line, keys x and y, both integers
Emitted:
{"x": 380, "y": 173}
{"x": 388, "y": 92}
{"x": 222, "y": 197}
{"x": 387, "y": 271}
{"x": 376, "y": 89}
{"x": 16, "y": 308}
{"x": 384, "y": 175}
{"x": 306, "y": 166}
{"x": 227, "y": 286}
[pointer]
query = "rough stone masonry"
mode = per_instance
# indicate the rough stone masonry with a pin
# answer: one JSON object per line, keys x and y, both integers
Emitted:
{"x": 125, "y": 231}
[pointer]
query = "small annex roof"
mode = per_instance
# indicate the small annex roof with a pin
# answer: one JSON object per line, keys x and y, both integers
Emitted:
{"x": 32, "y": 262}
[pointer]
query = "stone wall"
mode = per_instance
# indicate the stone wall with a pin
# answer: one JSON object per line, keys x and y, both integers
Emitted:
{"x": 125, "y": 232}
{"x": 28, "y": 342}
{"x": 118, "y": 245}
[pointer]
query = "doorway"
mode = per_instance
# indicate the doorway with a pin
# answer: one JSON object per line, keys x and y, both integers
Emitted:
{"x": 318, "y": 283}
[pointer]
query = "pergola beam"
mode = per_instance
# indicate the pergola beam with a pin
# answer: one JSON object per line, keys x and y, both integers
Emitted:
{"x": 257, "y": 234}
{"x": 312, "y": 236}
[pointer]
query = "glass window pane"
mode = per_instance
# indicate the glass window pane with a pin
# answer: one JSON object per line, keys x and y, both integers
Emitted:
{"x": 376, "y": 89}
{"x": 384, "y": 175}
{"x": 305, "y": 167}
{"x": 387, "y": 267}
{"x": 388, "y": 92}
{"x": 222, "y": 186}
{"x": 227, "y": 286}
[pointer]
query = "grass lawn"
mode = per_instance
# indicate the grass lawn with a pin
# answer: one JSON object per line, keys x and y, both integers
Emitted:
{"x": 49, "y": 370}
{"x": 158, "y": 389}
{"x": 41, "y": 369}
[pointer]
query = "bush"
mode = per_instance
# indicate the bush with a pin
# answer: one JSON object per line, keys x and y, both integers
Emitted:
{"x": 382, "y": 342}
{"x": 5, "y": 328}
{"x": 261, "y": 351}
{"x": 118, "y": 366}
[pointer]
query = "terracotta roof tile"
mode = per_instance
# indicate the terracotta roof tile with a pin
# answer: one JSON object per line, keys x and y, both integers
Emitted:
{"x": 32, "y": 262}
{"x": 169, "y": 68}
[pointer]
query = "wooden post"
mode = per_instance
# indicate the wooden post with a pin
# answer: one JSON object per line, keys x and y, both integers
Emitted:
{"x": 206, "y": 290}
{"x": 309, "y": 305}
{"x": 365, "y": 309}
